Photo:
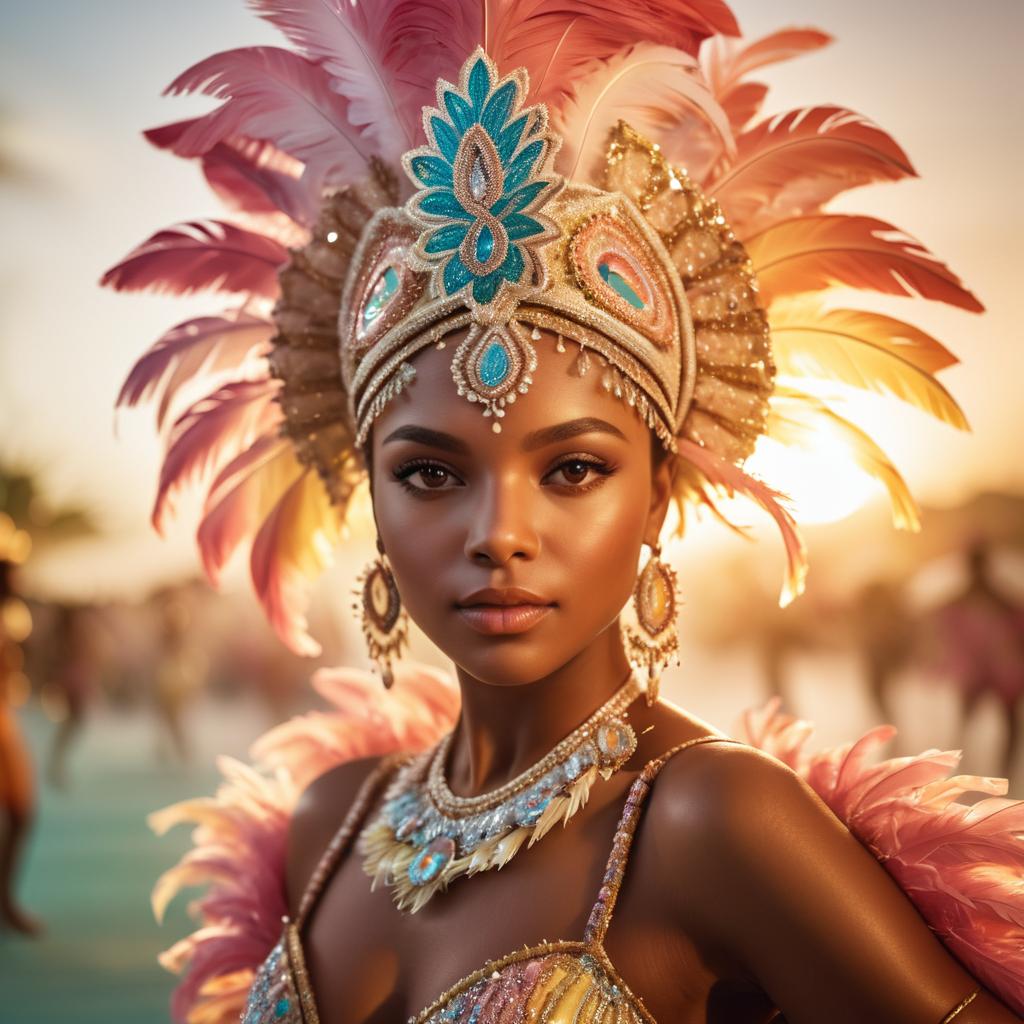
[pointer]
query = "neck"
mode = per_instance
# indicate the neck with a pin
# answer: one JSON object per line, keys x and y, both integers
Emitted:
{"x": 503, "y": 730}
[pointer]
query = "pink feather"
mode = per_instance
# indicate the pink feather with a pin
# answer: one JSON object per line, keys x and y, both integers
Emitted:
{"x": 249, "y": 175}
{"x": 812, "y": 253}
{"x": 275, "y": 95}
{"x": 364, "y": 719}
{"x": 961, "y": 864}
{"x": 726, "y": 477}
{"x": 207, "y": 345}
{"x": 241, "y": 835}
{"x": 655, "y": 88}
{"x": 366, "y": 49}
{"x": 240, "y": 497}
{"x": 794, "y": 163}
{"x": 201, "y": 254}
{"x": 210, "y": 433}
{"x": 727, "y": 62}
{"x": 559, "y": 41}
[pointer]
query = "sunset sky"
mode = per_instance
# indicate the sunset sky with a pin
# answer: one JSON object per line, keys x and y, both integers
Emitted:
{"x": 79, "y": 82}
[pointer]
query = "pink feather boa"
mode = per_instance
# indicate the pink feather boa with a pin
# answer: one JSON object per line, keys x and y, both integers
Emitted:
{"x": 962, "y": 865}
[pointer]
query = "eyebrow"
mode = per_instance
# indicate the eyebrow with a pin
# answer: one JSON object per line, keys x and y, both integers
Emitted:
{"x": 563, "y": 431}
{"x": 534, "y": 440}
{"x": 428, "y": 437}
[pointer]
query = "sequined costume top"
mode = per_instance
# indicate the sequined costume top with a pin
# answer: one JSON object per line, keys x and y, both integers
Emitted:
{"x": 566, "y": 980}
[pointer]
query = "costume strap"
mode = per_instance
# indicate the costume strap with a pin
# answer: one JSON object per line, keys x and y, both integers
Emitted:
{"x": 601, "y": 914}
{"x": 371, "y": 788}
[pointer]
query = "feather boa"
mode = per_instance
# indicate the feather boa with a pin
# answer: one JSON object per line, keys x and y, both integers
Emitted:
{"x": 960, "y": 864}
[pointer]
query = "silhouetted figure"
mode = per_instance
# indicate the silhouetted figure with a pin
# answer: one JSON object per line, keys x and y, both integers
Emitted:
{"x": 885, "y": 631}
{"x": 977, "y": 641}
{"x": 73, "y": 679}
{"x": 17, "y": 799}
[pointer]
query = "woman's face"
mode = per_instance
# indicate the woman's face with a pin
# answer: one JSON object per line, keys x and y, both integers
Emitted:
{"x": 558, "y": 504}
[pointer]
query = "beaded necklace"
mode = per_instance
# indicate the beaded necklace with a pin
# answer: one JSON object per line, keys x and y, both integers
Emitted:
{"x": 425, "y": 836}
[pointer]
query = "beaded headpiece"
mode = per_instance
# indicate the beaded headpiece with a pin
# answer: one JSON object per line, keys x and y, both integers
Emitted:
{"x": 598, "y": 175}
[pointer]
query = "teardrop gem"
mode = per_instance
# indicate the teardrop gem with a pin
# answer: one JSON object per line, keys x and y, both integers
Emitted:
{"x": 484, "y": 244}
{"x": 477, "y": 178}
{"x": 382, "y": 292}
{"x": 621, "y": 285}
{"x": 494, "y": 365}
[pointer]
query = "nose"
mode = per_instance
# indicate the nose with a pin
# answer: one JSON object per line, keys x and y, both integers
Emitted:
{"x": 503, "y": 524}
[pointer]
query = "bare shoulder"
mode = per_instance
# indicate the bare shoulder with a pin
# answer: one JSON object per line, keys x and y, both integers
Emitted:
{"x": 318, "y": 815}
{"x": 727, "y": 817}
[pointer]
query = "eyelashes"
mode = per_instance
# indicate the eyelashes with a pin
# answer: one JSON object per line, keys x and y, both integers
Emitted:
{"x": 589, "y": 464}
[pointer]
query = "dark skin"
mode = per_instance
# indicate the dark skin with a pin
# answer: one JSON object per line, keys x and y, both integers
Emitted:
{"x": 744, "y": 893}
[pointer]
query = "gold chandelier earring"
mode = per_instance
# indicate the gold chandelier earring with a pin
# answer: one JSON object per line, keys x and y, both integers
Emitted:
{"x": 385, "y": 622}
{"x": 655, "y": 604}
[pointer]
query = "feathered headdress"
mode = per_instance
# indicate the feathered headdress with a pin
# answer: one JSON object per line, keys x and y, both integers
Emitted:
{"x": 596, "y": 172}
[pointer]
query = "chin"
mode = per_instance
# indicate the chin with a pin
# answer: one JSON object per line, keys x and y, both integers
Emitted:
{"x": 508, "y": 662}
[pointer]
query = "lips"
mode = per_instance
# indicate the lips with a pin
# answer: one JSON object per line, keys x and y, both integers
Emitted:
{"x": 495, "y": 612}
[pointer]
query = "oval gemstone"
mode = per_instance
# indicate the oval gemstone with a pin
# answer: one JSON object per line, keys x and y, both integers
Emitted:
{"x": 432, "y": 860}
{"x": 484, "y": 244}
{"x": 382, "y": 292}
{"x": 494, "y": 365}
{"x": 656, "y": 603}
{"x": 620, "y": 285}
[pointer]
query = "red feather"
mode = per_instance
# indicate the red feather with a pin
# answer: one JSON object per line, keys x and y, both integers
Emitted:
{"x": 806, "y": 254}
{"x": 794, "y": 163}
{"x": 211, "y": 432}
{"x": 201, "y": 254}
{"x": 275, "y": 95}
{"x": 241, "y": 497}
{"x": 207, "y": 345}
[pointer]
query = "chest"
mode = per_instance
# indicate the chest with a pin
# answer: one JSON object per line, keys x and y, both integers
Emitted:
{"x": 370, "y": 963}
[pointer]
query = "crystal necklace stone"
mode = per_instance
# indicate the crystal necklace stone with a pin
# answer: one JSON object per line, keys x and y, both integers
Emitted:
{"x": 424, "y": 835}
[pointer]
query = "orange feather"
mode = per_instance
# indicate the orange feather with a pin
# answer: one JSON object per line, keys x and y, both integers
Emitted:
{"x": 804, "y": 254}
{"x": 794, "y": 163}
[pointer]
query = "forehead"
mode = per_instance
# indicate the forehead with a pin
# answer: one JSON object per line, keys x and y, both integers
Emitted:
{"x": 557, "y": 394}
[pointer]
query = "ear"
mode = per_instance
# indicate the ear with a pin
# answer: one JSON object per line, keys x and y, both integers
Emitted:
{"x": 661, "y": 495}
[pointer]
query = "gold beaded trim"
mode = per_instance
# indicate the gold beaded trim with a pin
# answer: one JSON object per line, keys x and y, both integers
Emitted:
{"x": 963, "y": 1004}
{"x": 459, "y": 806}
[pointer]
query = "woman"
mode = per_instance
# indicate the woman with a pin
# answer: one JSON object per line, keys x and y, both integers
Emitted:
{"x": 537, "y": 356}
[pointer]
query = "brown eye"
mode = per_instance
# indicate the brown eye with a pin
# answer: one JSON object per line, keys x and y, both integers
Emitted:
{"x": 575, "y": 471}
{"x": 433, "y": 476}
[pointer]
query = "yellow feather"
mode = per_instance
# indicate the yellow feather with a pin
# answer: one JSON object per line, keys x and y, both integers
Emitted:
{"x": 863, "y": 350}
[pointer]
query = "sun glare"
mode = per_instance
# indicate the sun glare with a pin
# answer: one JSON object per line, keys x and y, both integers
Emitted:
{"x": 823, "y": 485}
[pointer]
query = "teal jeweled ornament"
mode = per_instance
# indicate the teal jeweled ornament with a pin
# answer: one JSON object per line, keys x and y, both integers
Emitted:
{"x": 381, "y": 293}
{"x": 621, "y": 285}
{"x": 483, "y": 181}
{"x": 432, "y": 861}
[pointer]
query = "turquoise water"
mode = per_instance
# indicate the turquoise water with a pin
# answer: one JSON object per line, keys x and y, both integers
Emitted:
{"x": 88, "y": 872}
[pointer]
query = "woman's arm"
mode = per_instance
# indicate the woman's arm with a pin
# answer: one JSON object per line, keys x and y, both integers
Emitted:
{"x": 773, "y": 876}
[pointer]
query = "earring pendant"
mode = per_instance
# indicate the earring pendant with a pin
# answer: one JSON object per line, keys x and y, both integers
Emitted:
{"x": 655, "y": 604}
{"x": 384, "y": 621}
